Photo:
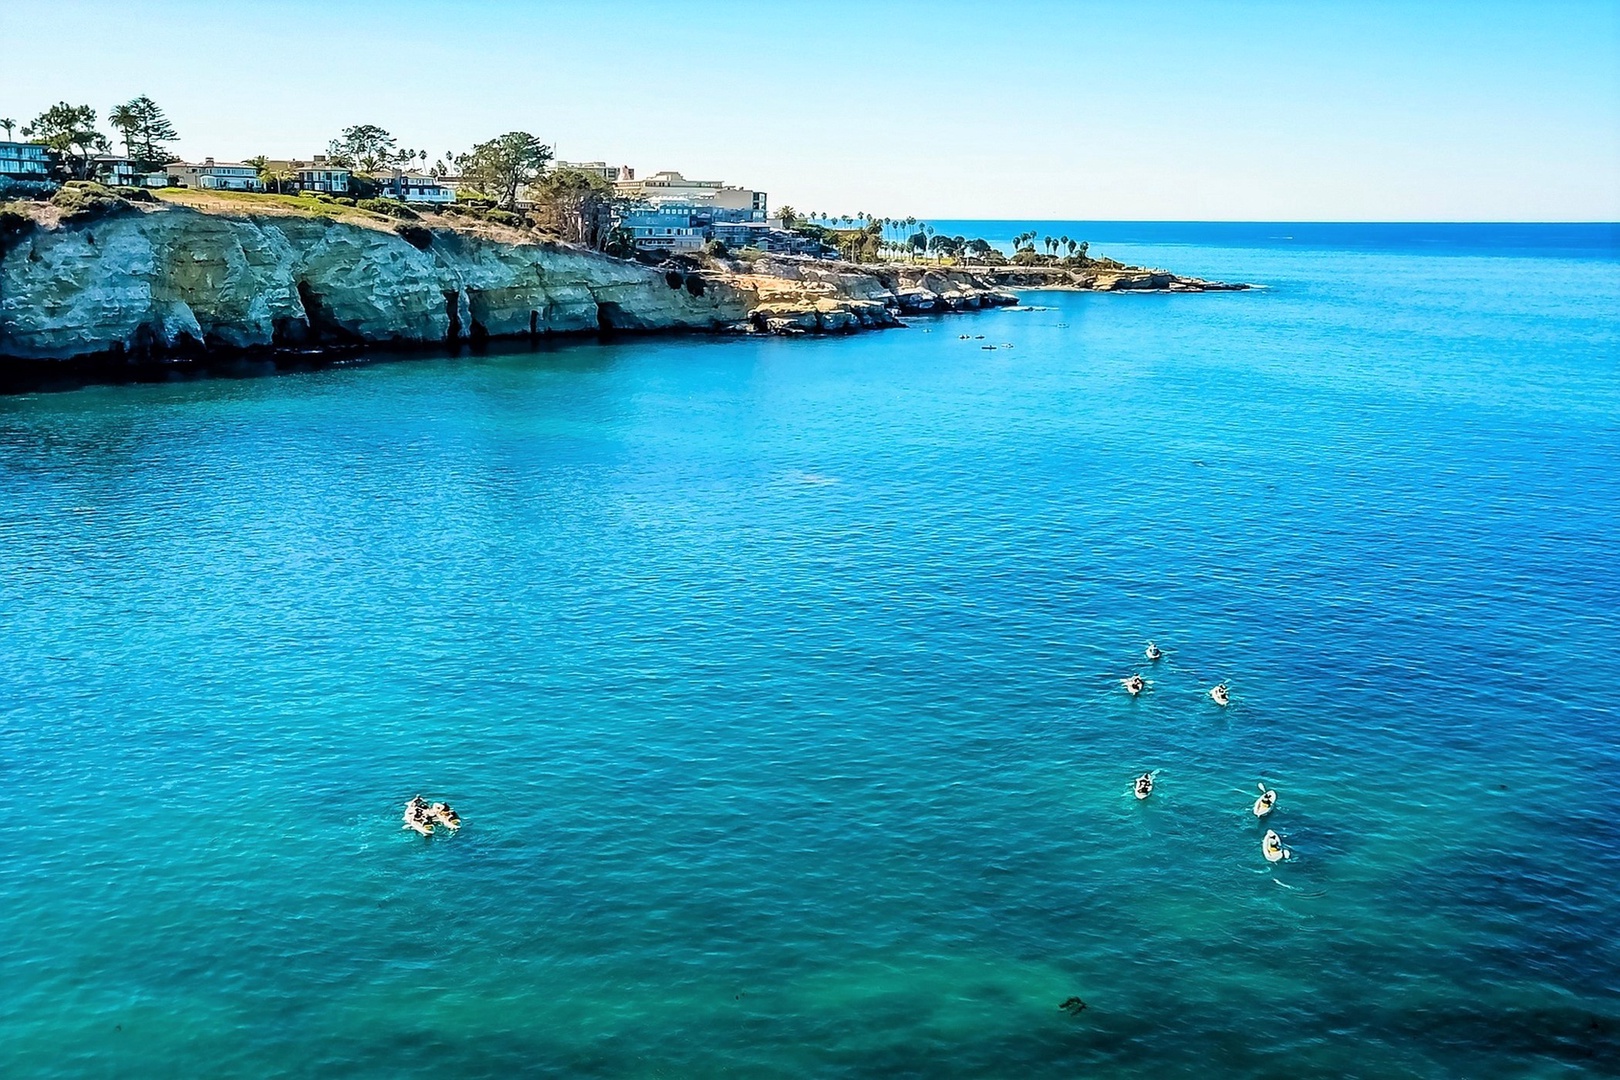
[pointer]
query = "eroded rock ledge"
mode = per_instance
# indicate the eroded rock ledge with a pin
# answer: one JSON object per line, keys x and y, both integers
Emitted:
{"x": 163, "y": 282}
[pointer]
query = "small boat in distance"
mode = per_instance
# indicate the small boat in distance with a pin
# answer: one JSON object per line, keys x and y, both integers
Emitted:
{"x": 1133, "y": 685}
{"x": 1220, "y": 695}
{"x": 1152, "y": 652}
{"x": 1144, "y": 785}
{"x": 1272, "y": 847}
{"x": 1267, "y": 799}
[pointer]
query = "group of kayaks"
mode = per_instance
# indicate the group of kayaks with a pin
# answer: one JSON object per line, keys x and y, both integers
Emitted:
{"x": 421, "y": 816}
{"x": 1271, "y": 846}
{"x": 1134, "y": 684}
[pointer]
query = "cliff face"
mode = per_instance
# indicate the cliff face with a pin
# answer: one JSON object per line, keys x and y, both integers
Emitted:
{"x": 172, "y": 278}
{"x": 163, "y": 281}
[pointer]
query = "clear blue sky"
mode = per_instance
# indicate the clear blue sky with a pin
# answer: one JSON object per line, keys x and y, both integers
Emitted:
{"x": 1294, "y": 110}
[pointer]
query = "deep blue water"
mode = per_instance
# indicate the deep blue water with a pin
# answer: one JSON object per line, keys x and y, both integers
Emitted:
{"x": 777, "y": 684}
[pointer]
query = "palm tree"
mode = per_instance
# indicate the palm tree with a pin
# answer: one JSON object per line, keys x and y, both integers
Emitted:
{"x": 8, "y": 123}
{"x": 126, "y": 120}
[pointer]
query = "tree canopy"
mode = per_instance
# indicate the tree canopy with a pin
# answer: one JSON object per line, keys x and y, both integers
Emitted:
{"x": 70, "y": 132}
{"x": 502, "y": 167}
{"x": 145, "y": 130}
{"x": 576, "y": 204}
{"x": 364, "y": 148}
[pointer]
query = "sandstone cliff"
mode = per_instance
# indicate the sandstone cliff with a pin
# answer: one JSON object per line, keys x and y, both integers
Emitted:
{"x": 171, "y": 279}
{"x": 164, "y": 281}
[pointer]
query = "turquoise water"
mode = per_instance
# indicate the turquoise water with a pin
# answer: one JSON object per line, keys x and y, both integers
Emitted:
{"x": 777, "y": 684}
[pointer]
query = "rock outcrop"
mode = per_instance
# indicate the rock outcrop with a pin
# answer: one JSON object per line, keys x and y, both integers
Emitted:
{"x": 159, "y": 281}
{"x": 1102, "y": 277}
{"x": 176, "y": 280}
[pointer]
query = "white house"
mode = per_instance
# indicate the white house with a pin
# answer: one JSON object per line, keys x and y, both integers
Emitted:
{"x": 414, "y": 188}
{"x": 120, "y": 171}
{"x": 214, "y": 175}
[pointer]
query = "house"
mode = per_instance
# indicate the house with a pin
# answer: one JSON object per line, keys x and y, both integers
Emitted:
{"x": 413, "y": 187}
{"x": 213, "y": 175}
{"x": 719, "y": 195}
{"x": 316, "y": 174}
{"x": 24, "y": 161}
{"x": 115, "y": 170}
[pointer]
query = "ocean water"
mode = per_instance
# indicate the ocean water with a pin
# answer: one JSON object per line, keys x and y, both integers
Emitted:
{"x": 777, "y": 683}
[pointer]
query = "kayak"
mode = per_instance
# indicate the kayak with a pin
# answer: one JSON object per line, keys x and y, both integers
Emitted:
{"x": 1144, "y": 785}
{"x": 1272, "y": 848}
{"x": 1263, "y": 805}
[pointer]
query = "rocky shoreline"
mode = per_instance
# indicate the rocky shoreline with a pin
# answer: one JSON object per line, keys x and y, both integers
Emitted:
{"x": 133, "y": 289}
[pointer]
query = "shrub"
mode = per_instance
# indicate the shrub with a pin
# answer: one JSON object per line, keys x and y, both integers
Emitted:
{"x": 343, "y": 200}
{"x": 388, "y": 208}
{"x": 83, "y": 199}
{"x": 503, "y": 217}
{"x": 716, "y": 249}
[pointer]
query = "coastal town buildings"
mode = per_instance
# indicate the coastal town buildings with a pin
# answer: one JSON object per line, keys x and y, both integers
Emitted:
{"x": 316, "y": 174}
{"x": 211, "y": 175}
{"x": 413, "y": 187}
{"x": 668, "y": 212}
{"x": 677, "y": 224}
{"x": 611, "y": 173}
{"x": 115, "y": 170}
{"x": 672, "y": 184}
{"x": 24, "y": 161}
{"x": 666, "y": 226}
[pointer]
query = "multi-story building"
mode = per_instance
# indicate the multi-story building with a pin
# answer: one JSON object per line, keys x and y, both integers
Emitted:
{"x": 685, "y": 224}
{"x": 24, "y": 161}
{"x": 611, "y": 173}
{"x": 118, "y": 171}
{"x": 713, "y": 192}
{"x": 414, "y": 188}
{"x": 667, "y": 225}
{"x": 211, "y": 175}
{"x": 316, "y": 174}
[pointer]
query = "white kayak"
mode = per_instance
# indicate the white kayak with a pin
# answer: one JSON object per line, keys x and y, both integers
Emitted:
{"x": 1133, "y": 685}
{"x": 1267, "y": 800}
{"x": 1219, "y": 694}
{"x": 1144, "y": 785}
{"x": 1272, "y": 847}
{"x": 1152, "y": 652}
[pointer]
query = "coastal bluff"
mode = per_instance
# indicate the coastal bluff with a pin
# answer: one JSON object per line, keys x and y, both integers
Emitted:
{"x": 162, "y": 282}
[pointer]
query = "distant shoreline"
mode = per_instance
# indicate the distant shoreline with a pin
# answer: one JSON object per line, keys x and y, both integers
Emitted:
{"x": 121, "y": 292}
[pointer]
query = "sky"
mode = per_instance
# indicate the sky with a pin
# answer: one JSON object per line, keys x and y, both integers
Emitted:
{"x": 1023, "y": 109}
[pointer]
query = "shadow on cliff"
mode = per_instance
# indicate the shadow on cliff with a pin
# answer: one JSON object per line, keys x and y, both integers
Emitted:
{"x": 296, "y": 352}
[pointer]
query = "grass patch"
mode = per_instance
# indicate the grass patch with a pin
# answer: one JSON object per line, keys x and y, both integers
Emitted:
{"x": 307, "y": 205}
